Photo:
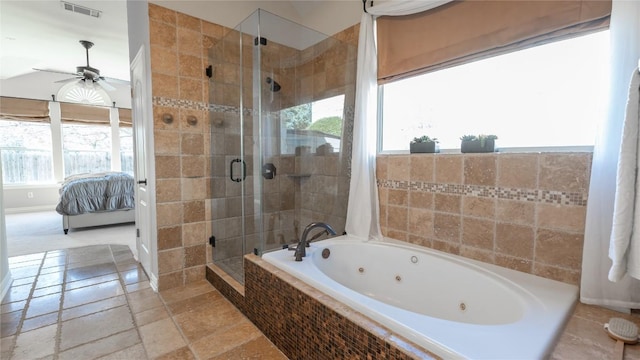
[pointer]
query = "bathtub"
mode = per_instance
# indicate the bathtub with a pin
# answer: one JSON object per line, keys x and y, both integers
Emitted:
{"x": 452, "y": 306}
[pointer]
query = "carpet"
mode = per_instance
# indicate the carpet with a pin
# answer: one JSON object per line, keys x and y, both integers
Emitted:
{"x": 31, "y": 233}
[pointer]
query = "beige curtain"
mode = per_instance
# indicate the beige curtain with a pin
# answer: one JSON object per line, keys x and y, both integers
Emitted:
{"x": 84, "y": 114}
{"x": 125, "y": 118}
{"x": 462, "y": 31}
{"x": 24, "y": 109}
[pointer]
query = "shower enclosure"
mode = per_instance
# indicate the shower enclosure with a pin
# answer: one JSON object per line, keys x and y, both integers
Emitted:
{"x": 281, "y": 100}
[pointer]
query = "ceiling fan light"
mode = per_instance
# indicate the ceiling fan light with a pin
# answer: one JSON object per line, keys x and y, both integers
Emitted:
{"x": 83, "y": 92}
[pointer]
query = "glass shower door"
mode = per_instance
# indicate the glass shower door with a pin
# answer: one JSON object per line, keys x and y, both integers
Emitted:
{"x": 232, "y": 188}
{"x": 280, "y": 143}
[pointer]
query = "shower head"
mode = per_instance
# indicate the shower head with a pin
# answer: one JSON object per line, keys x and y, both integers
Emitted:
{"x": 273, "y": 85}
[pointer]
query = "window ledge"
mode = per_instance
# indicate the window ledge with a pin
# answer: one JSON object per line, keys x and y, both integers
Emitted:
{"x": 506, "y": 150}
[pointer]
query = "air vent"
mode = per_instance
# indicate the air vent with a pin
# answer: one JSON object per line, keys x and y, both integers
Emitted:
{"x": 80, "y": 9}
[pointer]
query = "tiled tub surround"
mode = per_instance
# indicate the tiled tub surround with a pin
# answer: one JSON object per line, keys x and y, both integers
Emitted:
{"x": 431, "y": 297}
{"x": 305, "y": 323}
{"x": 277, "y": 302}
{"x": 521, "y": 211}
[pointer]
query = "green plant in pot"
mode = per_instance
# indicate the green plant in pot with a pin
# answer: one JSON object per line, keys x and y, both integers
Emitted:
{"x": 478, "y": 143}
{"x": 424, "y": 144}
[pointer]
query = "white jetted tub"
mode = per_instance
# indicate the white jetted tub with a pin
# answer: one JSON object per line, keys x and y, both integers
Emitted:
{"x": 452, "y": 306}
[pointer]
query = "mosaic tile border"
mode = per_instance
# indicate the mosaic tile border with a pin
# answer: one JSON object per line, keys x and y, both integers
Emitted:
{"x": 530, "y": 195}
{"x": 179, "y": 103}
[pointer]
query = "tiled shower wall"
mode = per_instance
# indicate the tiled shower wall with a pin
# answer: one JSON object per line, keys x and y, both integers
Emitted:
{"x": 179, "y": 48}
{"x": 520, "y": 211}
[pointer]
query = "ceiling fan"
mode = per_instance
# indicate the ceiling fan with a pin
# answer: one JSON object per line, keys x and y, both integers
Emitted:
{"x": 88, "y": 74}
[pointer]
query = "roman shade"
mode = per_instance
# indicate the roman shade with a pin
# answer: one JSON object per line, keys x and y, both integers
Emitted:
{"x": 84, "y": 114}
{"x": 462, "y": 31}
{"x": 124, "y": 116}
{"x": 24, "y": 109}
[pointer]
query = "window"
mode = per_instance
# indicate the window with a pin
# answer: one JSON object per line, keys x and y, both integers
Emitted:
{"x": 126, "y": 149}
{"x": 312, "y": 125}
{"x": 87, "y": 148}
{"x": 26, "y": 152}
{"x": 546, "y": 96}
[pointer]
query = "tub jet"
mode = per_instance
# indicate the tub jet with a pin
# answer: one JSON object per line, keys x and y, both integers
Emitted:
{"x": 273, "y": 85}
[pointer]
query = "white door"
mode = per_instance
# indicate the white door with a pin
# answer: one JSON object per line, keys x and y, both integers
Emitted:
{"x": 140, "y": 114}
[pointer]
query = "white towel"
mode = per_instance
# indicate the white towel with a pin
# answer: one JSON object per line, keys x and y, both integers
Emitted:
{"x": 624, "y": 246}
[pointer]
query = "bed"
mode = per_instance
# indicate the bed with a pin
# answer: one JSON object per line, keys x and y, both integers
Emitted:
{"x": 96, "y": 199}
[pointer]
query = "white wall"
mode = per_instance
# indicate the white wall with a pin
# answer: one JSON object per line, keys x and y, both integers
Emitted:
{"x": 43, "y": 198}
{"x": 5, "y": 274}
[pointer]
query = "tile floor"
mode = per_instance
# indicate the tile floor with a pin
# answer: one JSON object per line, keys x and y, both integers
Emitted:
{"x": 95, "y": 302}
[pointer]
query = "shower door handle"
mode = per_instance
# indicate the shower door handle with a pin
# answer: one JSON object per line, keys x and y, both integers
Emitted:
{"x": 244, "y": 170}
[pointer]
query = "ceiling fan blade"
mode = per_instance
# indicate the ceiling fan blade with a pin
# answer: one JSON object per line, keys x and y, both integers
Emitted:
{"x": 114, "y": 80}
{"x": 66, "y": 80}
{"x": 55, "y": 71}
{"x": 105, "y": 85}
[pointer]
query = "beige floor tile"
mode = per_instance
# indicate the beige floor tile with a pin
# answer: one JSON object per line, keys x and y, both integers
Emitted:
{"x": 127, "y": 265}
{"x": 133, "y": 276}
{"x": 151, "y": 315}
{"x": 13, "y": 306}
{"x": 92, "y": 293}
{"x": 47, "y": 291}
{"x": 35, "y": 344}
{"x": 55, "y": 262}
{"x": 52, "y": 269}
{"x": 104, "y": 346}
{"x": 6, "y": 346}
{"x": 187, "y": 291}
{"x": 203, "y": 320}
{"x": 94, "y": 307}
{"x": 142, "y": 303}
{"x": 24, "y": 272}
{"x": 260, "y": 348}
{"x": 51, "y": 279}
{"x": 99, "y": 308}
{"x": 9, "y": 323}
{"x": 142, "y": 294}
{"x": 95, "y": 326}
{"x": 137, "y": 286}
{"x": 17, "y": 293}
{"x": 161, "y": 337}
{"x": 83, "y": 263}
{"x": 23, "y": 281}
{"x": 194, "y": 302}
{"x": 130, "y": 353}
{"x": 184, "y": 353}
{"x": 43, "y": 305}
{"x": 225, "y": 339}
{"x": 39, "y": 321}
{"x": 91, "y": 281}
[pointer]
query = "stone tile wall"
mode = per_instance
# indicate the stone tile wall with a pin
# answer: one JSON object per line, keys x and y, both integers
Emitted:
{"x": 180, "y": 46}
{"x": 179, "y": 50}
{"x": 521, "y": 211}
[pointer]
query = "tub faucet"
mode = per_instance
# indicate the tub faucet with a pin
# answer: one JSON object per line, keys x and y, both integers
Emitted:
{"x": 301, "y": 248}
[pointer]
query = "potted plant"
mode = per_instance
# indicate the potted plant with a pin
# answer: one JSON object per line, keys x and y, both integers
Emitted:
{"x": 424, "y": 144}
{"x": 478, "y": 144}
